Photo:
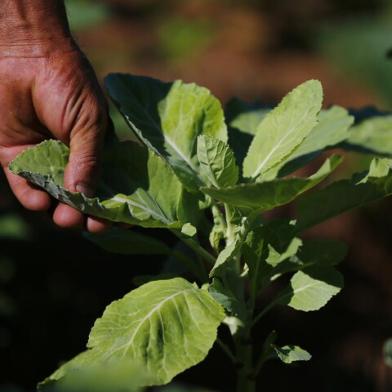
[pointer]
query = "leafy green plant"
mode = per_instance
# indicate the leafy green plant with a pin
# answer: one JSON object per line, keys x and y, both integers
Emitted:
{"x": 188, "y": 174}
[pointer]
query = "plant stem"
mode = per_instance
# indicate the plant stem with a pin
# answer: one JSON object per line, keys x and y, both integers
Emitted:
{"x": 245, "y": 374}
{"x": 272, "y": 304}
{"x": 263, "y": 312}
{"x": 195, "y": 247}
{"x": 226, "y": 350}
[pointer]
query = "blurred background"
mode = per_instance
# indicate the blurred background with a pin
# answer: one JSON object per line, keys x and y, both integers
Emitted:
{"x": 54, "y": 284}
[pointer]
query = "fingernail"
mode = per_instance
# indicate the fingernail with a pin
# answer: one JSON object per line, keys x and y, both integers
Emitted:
{"x": 85, "y": 189}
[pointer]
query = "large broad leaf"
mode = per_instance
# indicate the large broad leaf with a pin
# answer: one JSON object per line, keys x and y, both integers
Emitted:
{"x": 137, "y": 186}
{"x": 373, "y": 135}
{"x": 342, "y": 196}
{"x": 168, "y": 118}
{"x": 265, "y": 196}
{"x": 283, "y": 129}
{"x": 165, "y": 326}
{"x": 311, "y": 289}
{"x": 217, "y": 162}
{"x": 128, "y": 242}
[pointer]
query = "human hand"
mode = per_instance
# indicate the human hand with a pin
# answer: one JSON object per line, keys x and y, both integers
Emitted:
{"x": 49, "y": 90}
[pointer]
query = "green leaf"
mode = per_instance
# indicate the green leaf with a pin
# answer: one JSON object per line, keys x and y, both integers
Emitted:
{"x": 83, "y": 374}
{"x": 167, "y": 326}
{"x": 266, "y": 248}
{"x": 275, "y": 258}
{"x": 322, "y": 252}
{"x": 217, "y": 163}
{"x": 128, "y": 242}
{"x": 224, "y": 294}
{"x": 283, "y": 129}
{"x": 226, "y": 255}
{"x": 137, "y": 186}
{"x": 373, "y": 135}
{"x": 189, "y": 230}
{"x": 290, "y": 354}
{"x": 249, "y": 120}
{"x": 311, "y": 289}
{"x": 265, "y": 196}
{"x": 340, "y": 197}
{"x": 168, "y": 118}
{"x": 379, "y": 167}
{"x": 332, "y": 129}
{"x": 388, "y": 352}
{"x": 170, "y": 324}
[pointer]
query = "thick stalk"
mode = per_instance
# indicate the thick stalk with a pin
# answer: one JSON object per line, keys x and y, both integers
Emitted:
{"x": 245, "y": 373}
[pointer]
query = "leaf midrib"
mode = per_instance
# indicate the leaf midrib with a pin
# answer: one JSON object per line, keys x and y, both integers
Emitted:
{"x": 146, "y": 318}
{"x": 258, "y": 169}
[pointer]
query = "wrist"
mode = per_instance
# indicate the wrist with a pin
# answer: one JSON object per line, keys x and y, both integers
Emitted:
{"x": 34, "y": 28}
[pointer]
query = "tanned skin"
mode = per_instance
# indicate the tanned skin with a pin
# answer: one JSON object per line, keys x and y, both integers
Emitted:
{"x": 48, "y": 90}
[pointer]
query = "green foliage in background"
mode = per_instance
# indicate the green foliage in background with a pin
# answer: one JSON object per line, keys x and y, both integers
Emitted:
{"x": 185, "y": 175}
{"x": 359, "y": 48}
{"x": 85, "y": 13}
{"x": 180, "y": 38}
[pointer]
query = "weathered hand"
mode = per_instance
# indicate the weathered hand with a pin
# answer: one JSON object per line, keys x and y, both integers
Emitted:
{"x": 49, "y": 90}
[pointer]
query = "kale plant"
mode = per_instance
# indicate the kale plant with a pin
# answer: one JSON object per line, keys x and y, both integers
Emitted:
{"x": 210, "y": 184}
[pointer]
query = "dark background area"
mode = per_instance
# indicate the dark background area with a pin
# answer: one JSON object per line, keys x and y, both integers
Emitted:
{"x": 54, "y": 283}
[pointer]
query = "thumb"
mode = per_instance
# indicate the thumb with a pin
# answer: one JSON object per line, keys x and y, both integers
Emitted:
{"x": 86, "y": 139}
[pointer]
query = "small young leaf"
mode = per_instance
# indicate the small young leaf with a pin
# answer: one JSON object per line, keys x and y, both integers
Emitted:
{"x": 311, "y": 289}
{"x": 226, "y": 255}
{"x": 283, "y": 129}
{"x": 189, "y": 230}
{"x": 128, "y": 242}
{"x": 168, "y": 118}
{"x": 264, "y": 196}
{"x": 217, "y": 162}
{"x": 275, "y": 258}
{"x": 290, "y": 354}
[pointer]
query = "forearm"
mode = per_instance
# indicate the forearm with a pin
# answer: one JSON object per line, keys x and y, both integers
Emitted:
{"x": 33, "y": 26}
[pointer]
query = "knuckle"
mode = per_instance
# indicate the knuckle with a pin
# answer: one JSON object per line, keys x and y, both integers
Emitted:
{"x": 85, "y": 162}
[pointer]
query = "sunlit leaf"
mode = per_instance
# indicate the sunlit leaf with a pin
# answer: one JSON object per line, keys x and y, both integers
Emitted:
{"x": 164, "y": 326}
{"x": 283, "y": 129}
{"x": 265, "y": 196}
{"x": 137, "y": 186}
{"x": 217, "y": 163}
{"x": 312, "y": 289}
{"x": 168, "y": 118}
